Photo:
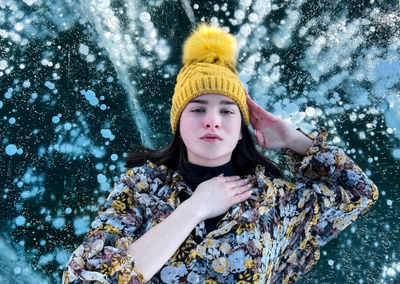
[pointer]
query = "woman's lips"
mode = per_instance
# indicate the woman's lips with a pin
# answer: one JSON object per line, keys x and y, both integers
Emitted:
{"x": 210, "y": 139}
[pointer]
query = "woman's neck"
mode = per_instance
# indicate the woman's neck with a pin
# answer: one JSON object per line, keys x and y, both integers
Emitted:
{"x": 194, "y": 174}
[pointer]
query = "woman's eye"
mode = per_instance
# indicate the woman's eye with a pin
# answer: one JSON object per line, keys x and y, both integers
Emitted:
{"x": 200, "y": 110}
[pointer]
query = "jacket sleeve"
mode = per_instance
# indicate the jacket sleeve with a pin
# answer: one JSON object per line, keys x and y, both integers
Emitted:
{"x": 342, "y": 191}
{"x": 102, "y": 257}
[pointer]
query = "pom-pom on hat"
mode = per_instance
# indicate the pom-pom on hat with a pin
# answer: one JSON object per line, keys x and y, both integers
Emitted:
{"x": 209, "y": 58}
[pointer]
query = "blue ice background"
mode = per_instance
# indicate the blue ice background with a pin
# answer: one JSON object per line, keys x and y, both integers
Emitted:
{"x": 80, "y": 81}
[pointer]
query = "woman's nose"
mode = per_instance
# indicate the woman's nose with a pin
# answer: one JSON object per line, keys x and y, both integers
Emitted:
{"x": 212, "y": 121}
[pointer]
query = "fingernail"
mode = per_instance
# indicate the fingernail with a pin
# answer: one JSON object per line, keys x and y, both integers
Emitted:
{"x": 249, "y": 185}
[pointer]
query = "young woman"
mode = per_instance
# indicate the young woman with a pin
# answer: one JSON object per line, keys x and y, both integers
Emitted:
{"x": 210, "y": 208}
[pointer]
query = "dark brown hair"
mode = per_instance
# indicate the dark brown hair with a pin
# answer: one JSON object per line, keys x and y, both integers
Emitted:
{"x": 245, "y": 156}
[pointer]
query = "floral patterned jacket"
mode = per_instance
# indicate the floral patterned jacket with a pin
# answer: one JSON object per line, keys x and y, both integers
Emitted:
{"x": 273, "y": 237}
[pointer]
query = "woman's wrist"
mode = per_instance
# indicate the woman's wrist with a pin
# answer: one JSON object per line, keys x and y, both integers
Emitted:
{"x": 299, "y": 143}
{"x": 193, "y": 209}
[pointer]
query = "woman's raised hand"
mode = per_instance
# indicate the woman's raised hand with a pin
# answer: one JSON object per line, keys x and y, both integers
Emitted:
{"x": 273, "y": 132}
{"x": 215, "y": 196}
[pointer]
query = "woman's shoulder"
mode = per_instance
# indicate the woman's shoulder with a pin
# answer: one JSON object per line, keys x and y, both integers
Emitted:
{"x": 148, "y": 177}
{"x": 261, "y": 172}
{"x": 262, "y": 180}
{"x": 148, "y": 168}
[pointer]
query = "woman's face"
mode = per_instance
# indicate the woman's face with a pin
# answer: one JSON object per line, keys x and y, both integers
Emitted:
{"x": 210, "y": 127}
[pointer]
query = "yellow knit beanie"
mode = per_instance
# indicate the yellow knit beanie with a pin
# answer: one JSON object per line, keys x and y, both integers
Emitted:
{"x": 209, "y": 58}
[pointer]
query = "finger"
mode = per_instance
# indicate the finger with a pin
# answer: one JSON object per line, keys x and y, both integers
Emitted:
{"x": 223, "y": 179}
{"x": 243, "y": 188}
{"x": 261, "y": 113}
{"x": 248, "y": 98}
{"x": 264, "y": 114}
{"x": 255, "y": 112}
{"x": 251, "y": 103}
{"x": 254, "y": 118}
{"x": 267, "y": 115}
{"x": 238, "y": 183}
{"x": 232, "y": 178}
{"x": 260, "y": 138}
{"x": 258, "y": 112}
{"x": 241, "y": 197}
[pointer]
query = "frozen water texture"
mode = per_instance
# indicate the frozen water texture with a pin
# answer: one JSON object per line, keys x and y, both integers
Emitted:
{"x": 55, "y": 119}
{"x": 30, "y": 2}
{"x": 101, "y": 178}
{"x": 392, "y": 114}
{"x": 11, "y": 149}
{"x": 15, "y": 267}
{"x": 292, "y": 108}
{"x": 106, "y": 133}
{"x": 283, "y": 38}
{"x": 20, "y": 220}
{"x": 245, "y": 3}
{"x": 58, "y": 222}
{"x": 19, "y": 27}
{"x": 91, "y": 97}
{"x": 77, "y": 143}
{"x": 83, "y": 49}
{"x": 123, "y": 51}
{"x": 49, "y": 85}
{"x": 81, "y": 225}
{"x": 396, "y": 153}
{"x": 239, "y": 14}
{"x": 310, "y": 111}
{"x": 326, "y": 52}
{"x": 145, "y": 17}
{"x": 67, "y": 126}
{"x": 188, "y": 9}
{"x": 45, "y": 259}
{"x": 390, "y": 271}
{"x": 3, "y": 64}
{"x": 26, "y": 84}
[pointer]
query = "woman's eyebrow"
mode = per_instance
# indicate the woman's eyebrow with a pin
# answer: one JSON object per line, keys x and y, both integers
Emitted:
{"x": 204, "y": 102}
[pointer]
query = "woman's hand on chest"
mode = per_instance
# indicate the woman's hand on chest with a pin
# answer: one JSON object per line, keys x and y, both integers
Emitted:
{"x": 215, "y": 196}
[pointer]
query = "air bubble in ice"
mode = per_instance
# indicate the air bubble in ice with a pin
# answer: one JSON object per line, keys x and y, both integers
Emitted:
{"x": 144, "y": 17}
{"x": 11, "y": 149}
{"x": 239, "y": 14}
{"x": 20, "y": 220}
{"x": 3, "y": 64}
{"x": 83, "y": 49}
{"x": 310, "y": 111}
{"x": 292, "y": 108}
{"x": 101, "y": 178}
